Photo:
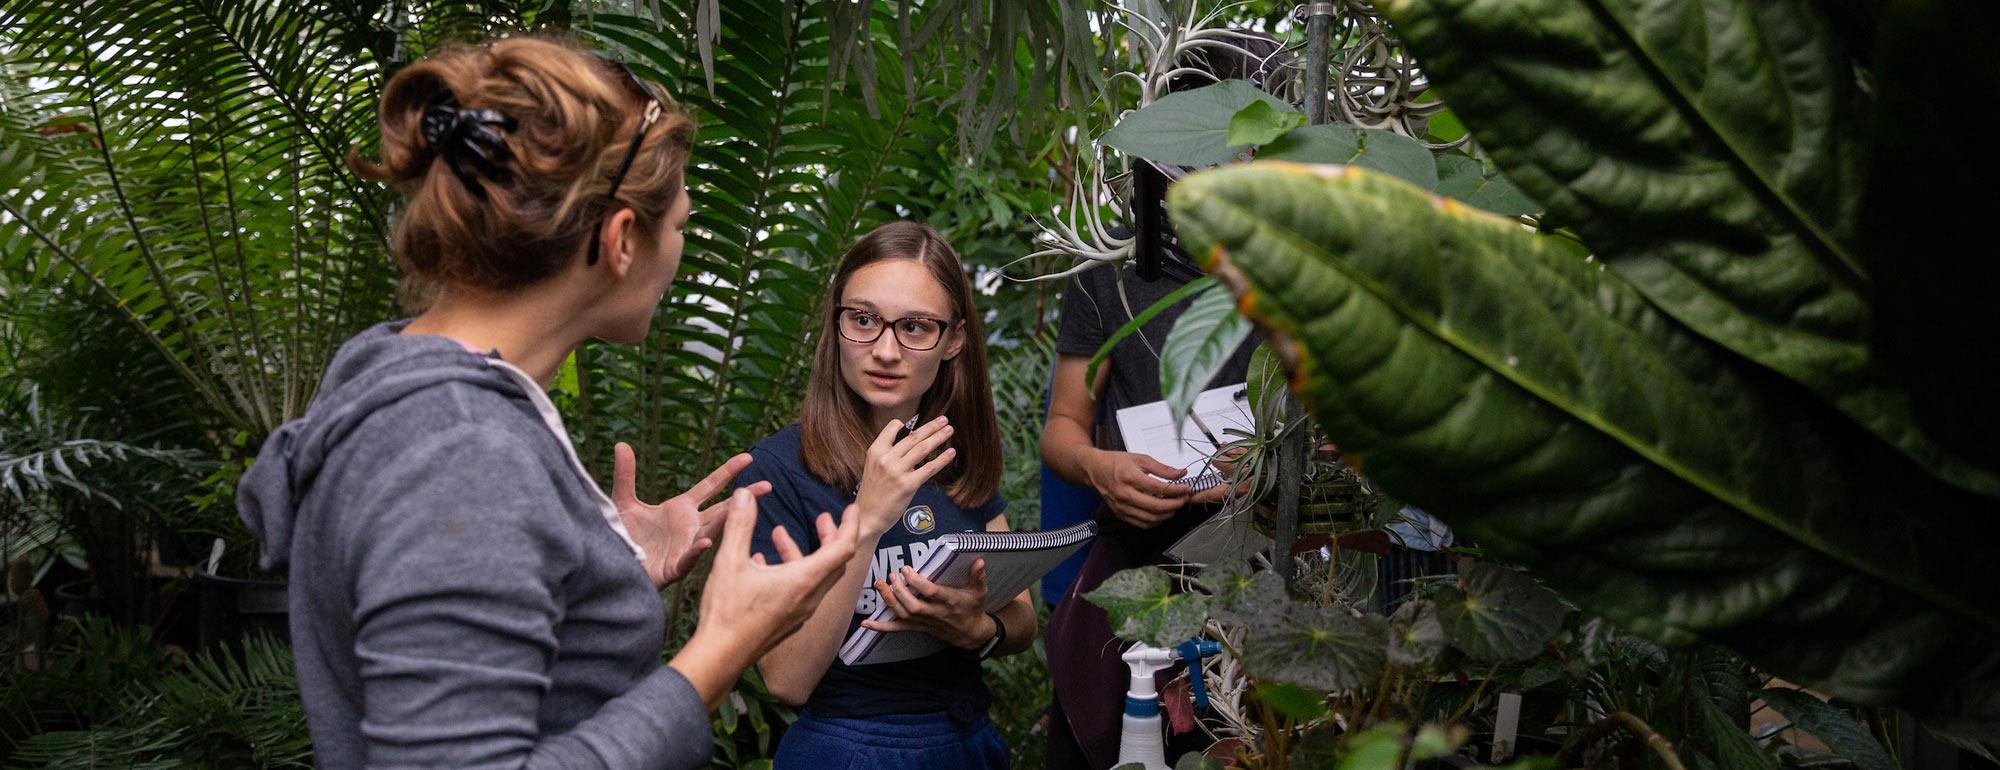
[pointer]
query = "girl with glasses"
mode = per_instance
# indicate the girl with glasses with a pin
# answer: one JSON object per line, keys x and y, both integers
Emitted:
{"x": 462, "y": 593}
{"x": 897, "y": 429}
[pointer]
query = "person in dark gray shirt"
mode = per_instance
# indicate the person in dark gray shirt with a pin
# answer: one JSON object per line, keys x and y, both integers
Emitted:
{"x": 462, "y": 593}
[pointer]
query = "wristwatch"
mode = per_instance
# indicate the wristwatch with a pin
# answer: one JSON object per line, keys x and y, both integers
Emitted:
{"x": 999, "y": 635}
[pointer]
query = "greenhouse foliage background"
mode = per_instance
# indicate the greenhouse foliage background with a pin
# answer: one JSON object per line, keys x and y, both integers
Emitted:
{"x": 182, "y": 248}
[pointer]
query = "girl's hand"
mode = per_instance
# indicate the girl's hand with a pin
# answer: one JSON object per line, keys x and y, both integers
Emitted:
{"x": 674, "y": 533}
{"x": 894, "y": 471}
{"x": 956, "y": 615}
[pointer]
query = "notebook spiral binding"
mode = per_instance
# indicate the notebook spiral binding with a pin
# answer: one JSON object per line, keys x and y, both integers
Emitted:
{"x": 1022, "y": 541}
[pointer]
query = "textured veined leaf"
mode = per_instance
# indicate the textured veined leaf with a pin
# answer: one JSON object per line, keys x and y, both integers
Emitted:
{"x": 1708, "y": 151}
{"x": 1143, "y": 607}
{"x": 1549, "y": 412}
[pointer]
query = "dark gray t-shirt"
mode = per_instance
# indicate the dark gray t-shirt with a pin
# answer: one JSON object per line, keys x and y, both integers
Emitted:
{"x": 1092, "y": 310}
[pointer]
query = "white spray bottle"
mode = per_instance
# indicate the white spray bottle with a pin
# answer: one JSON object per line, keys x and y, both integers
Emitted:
{"x": 1143, "y": 739}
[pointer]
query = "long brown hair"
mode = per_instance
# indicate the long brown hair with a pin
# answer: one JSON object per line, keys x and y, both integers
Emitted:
{"x": 834, "y": 419}
{"x": 574, "y": 116}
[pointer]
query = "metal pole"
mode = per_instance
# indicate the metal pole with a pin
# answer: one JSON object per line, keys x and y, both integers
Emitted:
{"x": 1319, "y": 41}
{"x": 1293, "y": 452}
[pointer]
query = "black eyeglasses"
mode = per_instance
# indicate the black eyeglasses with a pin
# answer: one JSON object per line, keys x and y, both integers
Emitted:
{"x": 913, "y": 332}
{"x": 656, "y": 105}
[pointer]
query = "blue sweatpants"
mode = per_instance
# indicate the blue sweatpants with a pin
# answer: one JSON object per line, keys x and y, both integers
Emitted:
{"x": 891, "y": 742}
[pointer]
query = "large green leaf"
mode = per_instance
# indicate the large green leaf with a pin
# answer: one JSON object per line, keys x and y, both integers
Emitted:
{"x": 1372, "y": 148}
{"x": 1416, "y": 636}
{"x": 1496, "y": 613}
{"x": 1467, "y": 179}
{"x": 1203, "y": 339}
{"x": 1708, "y": 151}
{"x": 1189, "y": 128}
{"x": 1542, "y": 406}
{"x": 1324, "y": 648}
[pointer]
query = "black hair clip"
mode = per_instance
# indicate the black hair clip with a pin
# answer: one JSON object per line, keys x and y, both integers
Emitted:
{"x": 469, "y": 137}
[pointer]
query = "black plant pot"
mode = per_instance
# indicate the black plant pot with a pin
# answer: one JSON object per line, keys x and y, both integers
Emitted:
{"x": 231, "y": 608}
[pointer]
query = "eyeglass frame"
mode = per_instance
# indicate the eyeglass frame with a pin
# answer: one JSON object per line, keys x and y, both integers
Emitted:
{"x": 890, "y": 325}
{"x": 656, "y": 106}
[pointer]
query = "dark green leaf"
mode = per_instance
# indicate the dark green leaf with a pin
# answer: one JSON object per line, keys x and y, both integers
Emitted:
{"x": 1551, "y": 414}
{"x": 1497, "y": 613}
{"x": 1831, "y": 726}
{"x": 1203, "y": 339}
{"x": 1260, "y": 122}
{"x": 1195, "y": 760}
{"x": 1416, "y": 637}
{"x": 1242, "y": 597}
{"x": 1726, "y": 194}
{"x": 1189, "y": 128}
{"x": 1469, "y": 181}
{"x": 1143, "y": 607}
{"x": 1371, "y": 148}
{"x": 1323, "y": 648}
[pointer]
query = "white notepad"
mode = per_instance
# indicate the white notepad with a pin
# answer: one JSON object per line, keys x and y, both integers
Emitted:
{"x": 1014, "y": 561}
{"x": 1149, "y": 430}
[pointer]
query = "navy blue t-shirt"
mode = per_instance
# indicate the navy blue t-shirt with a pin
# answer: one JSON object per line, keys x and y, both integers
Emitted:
{"x": 947, "y": 681}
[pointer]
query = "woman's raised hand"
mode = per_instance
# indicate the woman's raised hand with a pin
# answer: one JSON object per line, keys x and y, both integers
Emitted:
{"x": 895, "y": 469}
{"x": 676, "y": 532}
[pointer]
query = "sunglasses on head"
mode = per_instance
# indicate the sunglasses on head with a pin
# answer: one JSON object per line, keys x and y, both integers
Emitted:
{"x": 656, "y": 105}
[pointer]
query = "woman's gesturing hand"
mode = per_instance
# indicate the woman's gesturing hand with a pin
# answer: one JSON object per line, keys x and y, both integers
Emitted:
{"x": 676, "y": 532}
{"x": 895, "y": 469}
{"x": 956, "y": 615}
{"x": 749, "y": 605}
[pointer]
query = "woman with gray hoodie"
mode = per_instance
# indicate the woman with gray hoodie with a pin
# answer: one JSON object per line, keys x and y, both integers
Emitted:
{"x": 462, "y": 593}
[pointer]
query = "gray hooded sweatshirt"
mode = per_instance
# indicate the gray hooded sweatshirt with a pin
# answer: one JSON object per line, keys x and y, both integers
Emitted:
{"x": 462, "y": 594}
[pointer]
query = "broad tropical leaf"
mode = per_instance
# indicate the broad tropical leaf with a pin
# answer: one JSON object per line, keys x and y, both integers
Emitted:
{"x": 1385, "y": 151}
{"x": 1710, "y": 153}
{"x": 1549, "y": 412}
{"x": 1190, "y": 128}
{"x": 1467, "y": 179}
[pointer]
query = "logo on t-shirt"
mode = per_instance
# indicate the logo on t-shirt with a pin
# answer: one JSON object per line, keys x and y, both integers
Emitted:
{"x": 919, "y": 520}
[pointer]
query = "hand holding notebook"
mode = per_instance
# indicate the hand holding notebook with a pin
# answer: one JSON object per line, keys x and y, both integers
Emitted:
{"x": 1014, "y": 561}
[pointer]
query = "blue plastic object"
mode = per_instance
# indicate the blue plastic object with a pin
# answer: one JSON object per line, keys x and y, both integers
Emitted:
{"x": 1192, "y": 651}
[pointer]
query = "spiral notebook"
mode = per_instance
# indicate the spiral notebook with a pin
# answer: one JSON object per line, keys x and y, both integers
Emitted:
{"x": 1014, "y": 561}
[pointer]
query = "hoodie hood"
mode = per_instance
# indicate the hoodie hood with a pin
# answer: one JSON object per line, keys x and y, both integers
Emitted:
{"x": 375, "y": 369}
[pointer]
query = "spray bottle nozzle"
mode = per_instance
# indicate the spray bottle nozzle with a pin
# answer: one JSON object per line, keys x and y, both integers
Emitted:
{"x": 1192, "y": 651}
